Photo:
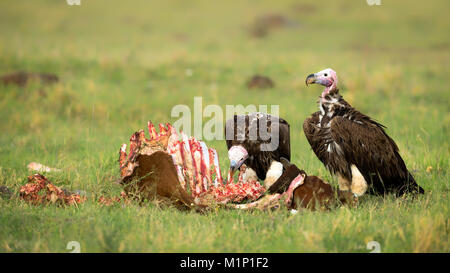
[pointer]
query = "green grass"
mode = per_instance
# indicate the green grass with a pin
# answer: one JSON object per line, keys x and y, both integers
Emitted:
{"x": 121, "y": 64}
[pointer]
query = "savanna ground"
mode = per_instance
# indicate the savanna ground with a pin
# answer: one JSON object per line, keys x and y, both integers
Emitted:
{"x": 123, "y": 63}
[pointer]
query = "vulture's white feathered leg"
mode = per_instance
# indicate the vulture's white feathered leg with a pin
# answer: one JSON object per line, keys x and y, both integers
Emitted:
{"x": 359, "y": 184}
{"x": 274, "y": 172}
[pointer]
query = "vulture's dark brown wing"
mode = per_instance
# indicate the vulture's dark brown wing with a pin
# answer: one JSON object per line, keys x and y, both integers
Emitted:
{"x": 366, "y": 145}
{"x": 260, "y": 150}
{"x": 310, "y": 129}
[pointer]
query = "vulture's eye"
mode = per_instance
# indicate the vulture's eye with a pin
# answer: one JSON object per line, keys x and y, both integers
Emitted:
{"x": 325, "y": 74}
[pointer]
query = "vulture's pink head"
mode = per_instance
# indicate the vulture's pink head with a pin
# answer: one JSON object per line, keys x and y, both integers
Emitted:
{"x": 237, "y": 155}
{"x": 327, "y": 78}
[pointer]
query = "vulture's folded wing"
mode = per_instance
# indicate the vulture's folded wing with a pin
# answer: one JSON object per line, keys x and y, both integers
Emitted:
{"x": 366, "y": 145}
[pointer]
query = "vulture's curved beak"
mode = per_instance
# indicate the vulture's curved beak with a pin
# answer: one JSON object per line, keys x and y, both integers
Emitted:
{"x": 310, "y": 79}
{"x": 232, "y": 171}
{"x": 233, "y": 167}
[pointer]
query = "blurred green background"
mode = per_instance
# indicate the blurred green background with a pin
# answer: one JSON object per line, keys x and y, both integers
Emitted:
{"x": 121, "y": 63}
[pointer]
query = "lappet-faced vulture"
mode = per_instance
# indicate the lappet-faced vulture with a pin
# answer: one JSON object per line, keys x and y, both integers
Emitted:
{"x": 353, "y": 146}
{"x": 259, "y": 140}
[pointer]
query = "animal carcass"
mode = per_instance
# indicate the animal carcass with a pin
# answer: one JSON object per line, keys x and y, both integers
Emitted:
{"x": 178, "y": 169}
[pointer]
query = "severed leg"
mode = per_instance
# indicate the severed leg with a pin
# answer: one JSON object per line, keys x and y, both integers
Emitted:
{"x": 265, "y": 202}
{"x": 272, "y": 200}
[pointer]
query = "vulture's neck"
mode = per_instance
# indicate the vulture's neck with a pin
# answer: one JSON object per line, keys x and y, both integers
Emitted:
{"x": 333, "y": 104}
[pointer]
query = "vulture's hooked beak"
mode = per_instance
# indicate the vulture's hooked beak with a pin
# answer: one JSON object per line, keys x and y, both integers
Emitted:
{"x": 232, "y": 171}
{"x": 310, "y": 79}
{"x": 233, "y": 168}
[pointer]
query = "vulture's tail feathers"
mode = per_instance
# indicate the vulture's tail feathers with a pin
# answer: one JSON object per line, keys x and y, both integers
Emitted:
{"x": 411, "y": 186}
